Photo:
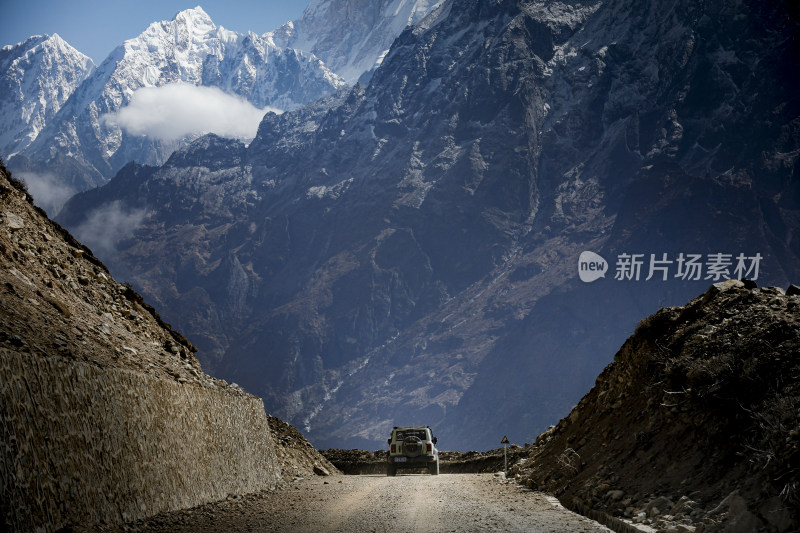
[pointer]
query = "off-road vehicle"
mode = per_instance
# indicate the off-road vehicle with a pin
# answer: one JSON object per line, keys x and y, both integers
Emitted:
{"x": 412, "y": 447}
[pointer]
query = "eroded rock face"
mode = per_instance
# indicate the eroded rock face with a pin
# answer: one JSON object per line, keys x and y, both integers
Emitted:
{"x": 106, "y": 415}
{"x": 694, "y": 423}
{"x": 407, "y": 251}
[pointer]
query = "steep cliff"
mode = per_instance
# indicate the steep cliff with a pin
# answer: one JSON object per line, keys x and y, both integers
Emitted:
{"x": 105, "y": 413}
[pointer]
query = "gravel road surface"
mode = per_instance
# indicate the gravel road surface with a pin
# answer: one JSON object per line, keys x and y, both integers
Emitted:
{"x": 444, "y": 503}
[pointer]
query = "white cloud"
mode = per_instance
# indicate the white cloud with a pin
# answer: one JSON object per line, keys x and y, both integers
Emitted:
{"x": 177, "y": 110}
{"x": 47, "y": 190}
{"x": 106, "y": 226}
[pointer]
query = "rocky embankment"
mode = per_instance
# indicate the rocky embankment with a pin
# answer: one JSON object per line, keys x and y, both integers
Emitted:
{"x": 694, "y": 427}
{"x": 296, "y": 456}
{"x": 105, "y": 413}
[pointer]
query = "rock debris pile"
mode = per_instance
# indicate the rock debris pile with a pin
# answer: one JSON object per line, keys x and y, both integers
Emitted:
{"x": 297, "y": 457}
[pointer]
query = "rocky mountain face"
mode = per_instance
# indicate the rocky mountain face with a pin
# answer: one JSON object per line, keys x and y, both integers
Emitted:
{"x": 351, "y": 36}
{"x": 408, "y": 251}
{"x": 87, "y": 150}
{"x": 37, "y": 77}
{"x": 694, "y": 425}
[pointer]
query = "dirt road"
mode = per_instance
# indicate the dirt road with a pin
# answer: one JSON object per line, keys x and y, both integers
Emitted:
{"x": 455, "y": 502}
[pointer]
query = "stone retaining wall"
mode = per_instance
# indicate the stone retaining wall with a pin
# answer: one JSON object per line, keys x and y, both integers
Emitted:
{"x": 80, "y": 444}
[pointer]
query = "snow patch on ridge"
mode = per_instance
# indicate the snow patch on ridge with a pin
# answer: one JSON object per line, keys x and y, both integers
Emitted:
{"x": 333, "y": 192}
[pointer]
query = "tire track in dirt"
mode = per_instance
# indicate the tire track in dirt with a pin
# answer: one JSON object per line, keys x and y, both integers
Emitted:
{"x": 380, "y": 504}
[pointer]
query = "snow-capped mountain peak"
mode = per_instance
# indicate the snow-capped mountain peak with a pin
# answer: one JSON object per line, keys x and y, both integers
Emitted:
{"x": 196, "y": 17}
{"x": 174, "y": 50}
{"x": 36, "y": 77}
{"x": 189, "y": 49}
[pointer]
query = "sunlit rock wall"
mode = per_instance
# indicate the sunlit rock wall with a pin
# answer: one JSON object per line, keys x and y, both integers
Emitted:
{"x": 81, "y": 444}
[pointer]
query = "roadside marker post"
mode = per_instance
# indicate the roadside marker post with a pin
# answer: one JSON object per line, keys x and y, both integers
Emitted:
{"x": 504, "y": 442}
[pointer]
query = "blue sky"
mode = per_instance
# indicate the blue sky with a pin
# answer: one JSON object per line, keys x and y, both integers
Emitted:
{"x": 96, "y": 27}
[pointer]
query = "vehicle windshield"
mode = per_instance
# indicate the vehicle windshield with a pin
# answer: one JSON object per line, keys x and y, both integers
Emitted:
{"x": 402, "y": 434}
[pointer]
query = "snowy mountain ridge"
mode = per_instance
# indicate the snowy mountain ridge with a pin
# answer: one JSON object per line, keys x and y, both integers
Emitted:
{"x": 89, "y": 150}
{"x": 37, "y": 76}
{"x": 371, "y": 26}
{"x": 79, "y": 142}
